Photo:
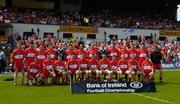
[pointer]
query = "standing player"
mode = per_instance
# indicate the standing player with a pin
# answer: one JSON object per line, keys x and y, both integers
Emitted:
{"x": 72, "y": 66}
{"x": 34, "y": 73}
{"x": 156, "y": 58}
{"x": 123, "y": 69}
{"x": 51, "y": 52}
{"x": 41, "y": 56}
{"x": 113, "y": 67}
{"x": 124, "y": 52}
{"x": 82, "y": 73}
{"x": 18, "y": 57}
{"x": 93, "y": 66}
{"x": 143, "y": 52}
{"x": 103, "y": 67}
{"x": 113, "y": 52}
{"x": 133, "y": 52}
{"x": 69, "y": 53}
{"x": 48, "y": 70}
{"x": 94, "y": 51}
{"x": 81, "y": 52}
{"x": 60, "y": 70}
{"x": 147, "y": 69}
{"x": 30, "y": 55}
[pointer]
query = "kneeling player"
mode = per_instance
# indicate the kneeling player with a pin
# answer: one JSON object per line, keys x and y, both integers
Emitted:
{"x": 33, "y": 73}
{"x": 48, "y": 70}
{"x": 60, "y": 70}
{"x": 147, "y": 69}
{"x": 123, "y": 69}
{"x": 113, "y": 67}
{"x": 72, "y": 66}
{"x": 82, "y": 73}
{"x": 134, "y": 68}
{"x": 103, "y": 67}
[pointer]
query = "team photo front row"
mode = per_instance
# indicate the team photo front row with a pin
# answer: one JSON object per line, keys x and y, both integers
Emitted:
{"x": 42, "y": 68}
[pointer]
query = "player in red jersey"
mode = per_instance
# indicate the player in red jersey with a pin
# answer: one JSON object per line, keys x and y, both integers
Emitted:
{"x": 30, "y": 55}
{"x": 147, "y": 69}
{"x": 93, "y": 66}
{"x": 80, "y": 52}
{"x": 69, "y": 53}
{"x": 51, "y": 52}
{"x": 143, "y": 52}
{"x": 82, "y": 73}
{"x": 33, "y": 73}
{"x": 125, "y": 52}
{"x": 103, "y": 67}
{"x": 72, "y": 66}
{"x": 113, "y": 52}
{"x": 48, "y": 70}
{"x": 18, "y": 57}
{"x": 133, "y": 52}
{"x": 41, "y": 56}
{"x": 123, "y": 68}
{"x": 60, "y": 70}
{"x": 134, "y": 68}
{"x": 94, "y": 51}
{"x": 113, "y": 67}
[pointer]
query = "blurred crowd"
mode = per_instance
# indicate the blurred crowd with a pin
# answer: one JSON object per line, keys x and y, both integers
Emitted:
{"x": 98, "y": 18}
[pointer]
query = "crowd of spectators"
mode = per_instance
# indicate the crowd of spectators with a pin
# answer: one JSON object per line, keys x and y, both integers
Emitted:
{"x": 98, "y": 18}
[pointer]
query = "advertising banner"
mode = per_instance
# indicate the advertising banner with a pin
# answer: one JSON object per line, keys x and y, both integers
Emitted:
{"x": 112, "y": 87}
{"x": 169, "y": 33}
{"x": 171, "y": 65}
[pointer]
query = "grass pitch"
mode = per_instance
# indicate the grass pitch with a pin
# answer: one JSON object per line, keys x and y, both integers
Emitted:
{"x": 167, "y": 93}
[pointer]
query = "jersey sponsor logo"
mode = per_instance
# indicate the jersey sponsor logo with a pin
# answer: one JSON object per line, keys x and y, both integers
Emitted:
{"x": 147, "y": 67}
{"x": 73, "y": 66}
{"x": 49, "y": 67}
{"x": 133, "y": 66}
{"x": 69, "y": 56}
{"x": 79, "y": 56}
{"x": 93, "y": 66}
{"x": 104, "y": 65}
{"x": 59, "y": 67}
{"x": 132, "y": 55}
{"x": 113, "y": 67}
{"x": 83, "y": 65}
{"x": 142, "y": 55}
{"x": 113, "y": 54}
{"x": 136, "y": 85}
{"x": 19, "y": 56}
{"x": 33, "y": 70}
{"x": 125, "y": 55}
{"x": 41, "y": 57}
{"x": 52, "y": 56}
{"x": 30, "y": 55}
{"x": 123, "y": 66}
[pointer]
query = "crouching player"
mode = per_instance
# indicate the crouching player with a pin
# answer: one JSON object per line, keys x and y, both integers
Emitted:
{"x": 113, "y": 67}
{"x": 147, "y": 69}
{"x": 123, "y": 69}
{"x": 82, "y": 73}
{"x": 134, "y": 68}
{"x": 103, "y": 68}
{"x": 60, "y": 70}
{"x": 48, "y": 70}
{"x": 72, "y": 66}
{"x": 93, "y": 66}
{"x": 34, "y": 73}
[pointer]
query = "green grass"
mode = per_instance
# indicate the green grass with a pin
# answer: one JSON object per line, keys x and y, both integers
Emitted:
{"x": 10, "y": 94}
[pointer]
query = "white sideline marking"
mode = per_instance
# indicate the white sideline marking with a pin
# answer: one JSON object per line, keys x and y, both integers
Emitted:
{"x": 153, "y": 98}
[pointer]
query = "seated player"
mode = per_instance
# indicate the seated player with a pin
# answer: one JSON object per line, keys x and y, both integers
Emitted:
{"x": 48, "y": 70}
{"x": 60, "y": 70}
{"x": 82, "y": 73}
{"x": 93, "y": 66}
{"x": 113, "y": 67}
{"x": 123, "y": 69}
{"x": 34, "y": 73}
{"x": 147, "y": 69}
{"x": 134, "y": 68}
{"x": 72, "y": 66}
{"x": 103, "y": 67}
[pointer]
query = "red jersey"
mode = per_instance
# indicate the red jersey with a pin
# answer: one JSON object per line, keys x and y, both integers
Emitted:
{"x": 133, "y": 52}
{"x": 104, "y": 64}
{"x": 83, "y": 64}
{"x": 52, "y": 54}
{"x": 113, "y": 65}
{"x": 133, "y": 64}
{"x": 59, "y": 65}
{"x": 93, "y": 51}
{"x": 123, "y": 65}
{"x": 125, "y": 53}
{"x": 30, "y": 55}
{"x": 41, "y": 56}
{"x": 69, "y": 54}
{"x": 72, "y": 65}
{"x": 142, "y": 55}
{"x": 18, "y": 56}
{"x": 93, "y": 64}
{"x": 147, "y": 66}
{"x": 34, "y": 68}
{"x": 113, "y": 52}
{"x": 79, "y": 53}
{"x": 48, "y": 65}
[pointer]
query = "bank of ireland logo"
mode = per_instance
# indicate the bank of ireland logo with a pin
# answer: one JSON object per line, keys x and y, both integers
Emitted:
{"x": 177, "y": 64}
{"x": 136, "y": 85}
